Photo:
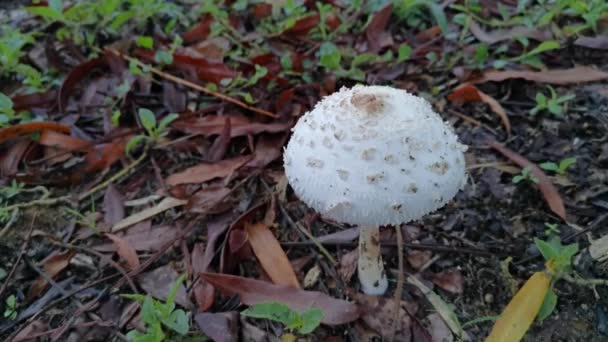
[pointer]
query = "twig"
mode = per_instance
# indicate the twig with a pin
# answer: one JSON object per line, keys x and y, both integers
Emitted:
{"x": 400, "y": 281}
{"x": 312, "y": 240}
{"x": 435, "y": 248}
{"x": 40, "y": 201}
{"x": 192, "y": 85}
{"x": 45, "y": 276}
{"x": 21, "y": 252}
{"x": 585, "y": 282}
{"x": 114, "y": 178}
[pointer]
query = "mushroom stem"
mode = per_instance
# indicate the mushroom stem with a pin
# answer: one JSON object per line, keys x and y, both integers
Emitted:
{"x": 370, "y": 268}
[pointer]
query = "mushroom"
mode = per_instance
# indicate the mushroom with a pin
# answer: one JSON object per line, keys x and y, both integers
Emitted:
{"x": 373, "y": 156}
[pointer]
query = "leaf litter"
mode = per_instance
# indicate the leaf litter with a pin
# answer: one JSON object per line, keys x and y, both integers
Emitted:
{"x": 219, "y": 163}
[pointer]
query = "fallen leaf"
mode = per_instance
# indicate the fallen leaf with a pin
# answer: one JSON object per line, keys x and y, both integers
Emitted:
{"x": 303, "y": 25}
{"x": 252, "y": 333}
{"x": 251, "y": 292}
{"x": 199, "y": 31}
{"x": 379, "y": 314}
{"x": 221, "y": 327}
{"x": 34, "y": 100}
{"x": 31, "y": 329}
{"x": 438, "y": 329}
{"x": 9, "y": 161}
{"x": 521, "y": 311}
{"x": 146, "y": 238}
{"x": 207, "y": 171}
{"x": 443, "y": 309}
{"x": 348, "y": 265}
{"x": 240, "y": 125}
{"x": 51, "y": 266}
{"x": 377, "y": 37}
{"x": 579, "y": 74}
{"x": 74, "y": 77}
{"x": 113, "y": 206}
{"x": 209, "y": 200}
{"x": 221, "y": 143}
{"x": 501, "y": 35}
{"x": 125, "y": 251}
{"x": 417, "y": 258}
{"x": 267, "y": 149}
{"x": 203, "y": 291}
{"x": 65, "y": 142}
{"x": 159, "y": 282}
{"x": 166, "y": 204}
{"x": 549, "y": 191}
{"x": 451, "y": 281}
{"x": 31, "y": 127}
{"x": 270, "y": 255}
{"x": 103, "y": 156}
{"x": 599, "y": 249}
{"x": 468, "y": 92}
{"x": 597, "y": 42}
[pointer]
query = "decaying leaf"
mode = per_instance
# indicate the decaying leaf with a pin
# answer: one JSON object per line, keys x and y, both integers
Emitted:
{"x": 549, "y": 192}
{"x": 468, "y": 92}
{"x": 125, "y": 250}
{"x": 52, "y": 266}
{"x": 159, "y": 282}
{"x": 251, "y": 291}
{"x": 207, "y": 171}
{"x": 271, "y": 256}
{"x": 166, "y": 204}
{"x": 579, "y": 74}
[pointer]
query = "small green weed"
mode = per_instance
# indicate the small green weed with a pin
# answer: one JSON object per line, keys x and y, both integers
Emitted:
{"x": 554, "y": 104}
{"x": 156, "y": 315}
{"x": 305, "y": 322}
{"x": 552, "y": 228}
{"x": 525, "y": 175}
{"x": 561, "y": 258}
{"x": 153, "y": 129}
{"x": 11, "y": 307}
{"x": 559, "y": 168}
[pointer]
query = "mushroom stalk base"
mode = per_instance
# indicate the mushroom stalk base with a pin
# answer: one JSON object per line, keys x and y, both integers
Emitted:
{"x": 370, "y": 267}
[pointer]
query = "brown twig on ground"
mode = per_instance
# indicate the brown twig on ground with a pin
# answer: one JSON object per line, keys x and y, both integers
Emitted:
{"x": 194, "y": 86}
{"x": 21, "y": 252}
{"x": 435, "y": 248}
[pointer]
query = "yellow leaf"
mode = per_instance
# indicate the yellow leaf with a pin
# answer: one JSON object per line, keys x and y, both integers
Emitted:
{"x": 519, "y": 315}
{"x": 288, "y": 338}
{"x": 271, "y": 256}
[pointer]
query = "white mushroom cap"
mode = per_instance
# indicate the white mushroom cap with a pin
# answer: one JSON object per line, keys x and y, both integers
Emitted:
{"x": 374, "y": 155}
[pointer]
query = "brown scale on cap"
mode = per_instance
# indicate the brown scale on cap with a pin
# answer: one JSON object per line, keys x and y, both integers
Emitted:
{"x": 370, "y": 104}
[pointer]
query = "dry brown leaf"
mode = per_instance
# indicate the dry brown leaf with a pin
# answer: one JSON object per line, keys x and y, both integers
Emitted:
{"x": 273, "y": 259}
{"x": 579, "y": 74}
{"x": 348, "y": 265}
{"x": 597, "y": 42}
{"x": 451, "y": 281}
{"x": 159, "y": 282}
{"x": 207, "y": 171}
{"x": 113, "y": 206}
{"x": 500, "y": 35}
{"x": 379, "y": 313}
{"x": 251, "y": 292}
{"x": 166, "y": 204}
{"x": 377, "y": 37}
{"x": 52, "y": 266}
{"x": 125, "y": 251}
{"x": 468, "y": 92}
{"x": 203, "y": 291}
{"x": 549, "y": 191}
